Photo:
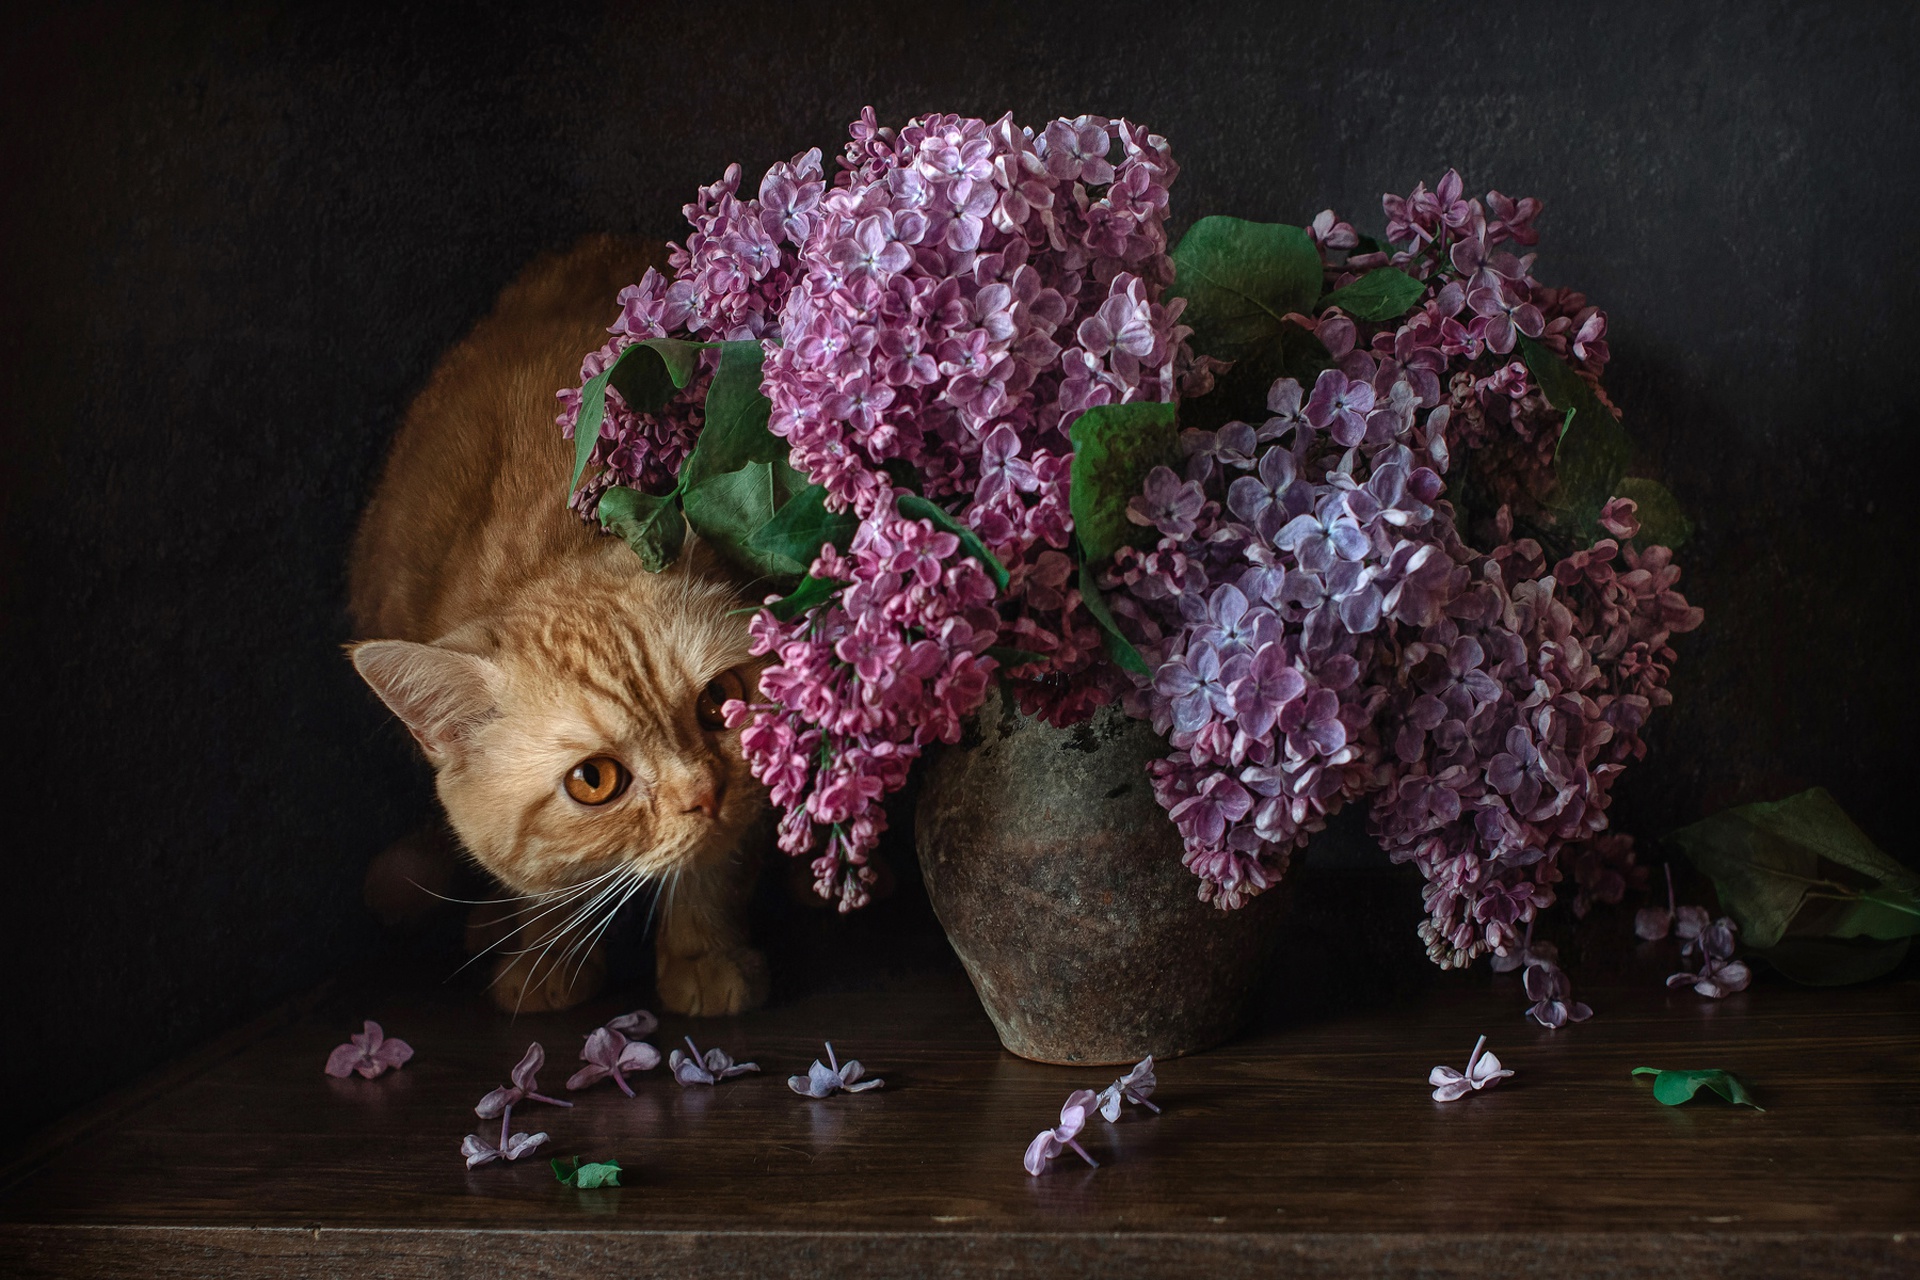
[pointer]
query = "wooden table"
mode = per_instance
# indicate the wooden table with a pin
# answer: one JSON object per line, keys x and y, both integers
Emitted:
{"x": 1310, "y": 1148}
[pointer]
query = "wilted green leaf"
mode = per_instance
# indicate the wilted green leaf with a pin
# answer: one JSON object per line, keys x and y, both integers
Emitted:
{"x": 1767, "y": 862}
{"x": 1114, "y": 447}
{"x": 1676, "y": 1087}
{"x": 735, "y": 431}
{"x": 915, "y": 507}
{"x": 587, "y": 1175}
{"x": 1385, "y": 293}
{"x": 1662, "y": 522}
{"x": 1119, "y": 648}
{"x": 651, "y": 524}
{"x": 1240, "y": 279}
{"x": 729, "y": 509}
{"x": 645, "y": 374}
{"x": 804, "y": 525}
{"x": 1831, "y": 962}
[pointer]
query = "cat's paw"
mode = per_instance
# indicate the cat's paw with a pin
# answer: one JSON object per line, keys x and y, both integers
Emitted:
{"x": 713, "y": 983}
{"x": 532, "y": 983}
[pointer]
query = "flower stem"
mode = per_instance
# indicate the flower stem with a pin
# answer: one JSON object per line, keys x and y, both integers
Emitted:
{"x": 555, "y": 1102}
{"x": 1082, "y": 1152}
{"x": 621, "y": 1080}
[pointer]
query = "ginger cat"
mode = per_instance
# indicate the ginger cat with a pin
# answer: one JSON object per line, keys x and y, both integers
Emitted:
{"x": 568, "y": 700}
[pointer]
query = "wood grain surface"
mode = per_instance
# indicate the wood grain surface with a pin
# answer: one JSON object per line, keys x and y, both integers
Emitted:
{"x": 1310, "y": 1147}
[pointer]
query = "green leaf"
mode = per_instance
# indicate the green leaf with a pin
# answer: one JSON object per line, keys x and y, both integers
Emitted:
{"x": 1119, "y": 648}
{"x": 728, "y": 509}
{"x": 735, "y": 431}
{"x": 915, "y": 507}
{"x": 804, "y": 525}
{"x": 1830, "y": 962}
{"x": 811, "y": 591}
{"x": 1592, "y": 456}
{"x": 1008, "y": 656}
{"x": 645, "y": 374}
{"x": 651, "y": 524}
{"x": 1768, "y": 860}
{"x": 1385, "y": 293}
{"x": 1240, "y": 279}
{"x": 1675, "y": 1087}
{"x": 586, "y": 1175}
{"x": 1114, "y": 447}
{"x": 1662, "y": 522}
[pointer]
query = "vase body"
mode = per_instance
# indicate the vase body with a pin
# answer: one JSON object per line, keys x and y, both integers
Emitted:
{"x": 1059, "y": 882}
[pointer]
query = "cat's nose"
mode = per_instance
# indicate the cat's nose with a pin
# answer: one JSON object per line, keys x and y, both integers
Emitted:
{"x": 705, "y": 797}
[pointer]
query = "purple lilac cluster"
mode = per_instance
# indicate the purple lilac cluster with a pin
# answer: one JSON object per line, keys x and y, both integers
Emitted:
{"x": 965, "y": 290}
{"x": 729, "y": 281}
{"x": 1319, "y": 628}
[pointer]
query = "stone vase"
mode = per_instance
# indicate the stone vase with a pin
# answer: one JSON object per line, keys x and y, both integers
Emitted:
{"x": 1058, "y": 880}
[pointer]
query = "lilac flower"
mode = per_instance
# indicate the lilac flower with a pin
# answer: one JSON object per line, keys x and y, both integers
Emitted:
{"x": 1269, "y": 687}
{"x": 1196, "y": 687}
{"x": 1136, "y": 1087}
{"x": 610, "y": 1053}
{"x": 1168, "y": 504}
{"x": 1322, "y": 538}
{"x": 1483, "y": 1072}
{"x": 479, "y": 1151}
{"x": 1650, "y": 924}
{"x": 1552, "y": 995}
{"x": 711, "y": 1067}
{"x": 1717, "y": 977}
{"x": 524, "y": 1087}
{"x": 635, "y": 1025}
{"x": 1339, "y": 407}
{"x": 1049, "y": 1143}
{"x": 824, "y": 1079}
{"x": 370, "y": 1053}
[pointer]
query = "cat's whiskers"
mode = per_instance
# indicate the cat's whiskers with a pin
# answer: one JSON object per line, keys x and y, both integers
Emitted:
{"x": 553, "y": 900}
{"x": 584, "y": 944}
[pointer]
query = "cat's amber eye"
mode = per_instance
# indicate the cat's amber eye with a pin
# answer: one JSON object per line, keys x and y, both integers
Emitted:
{"x": 598, "y": 780}
{"x": 719, "y": 691}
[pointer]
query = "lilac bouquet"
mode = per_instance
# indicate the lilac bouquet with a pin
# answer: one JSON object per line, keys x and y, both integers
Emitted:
{"x": 1342, "y": 518}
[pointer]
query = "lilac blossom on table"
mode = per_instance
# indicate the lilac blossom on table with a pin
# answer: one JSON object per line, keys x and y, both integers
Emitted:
{"x": 1321, "y": 627}
{"x": 1552, "y": 995}
{"x": 634, "y": 1025}
{"x": 608, "y": 1053}
{"x": 1483, "y": 1072}
{"x": 1720, "y": 974}
{"x": 1135, "y": 1087}
{"x": 501, "y": 1102}
{"x": 826, "y": 1078}
{"x": 1049, "y": 1143}
{"x": 711, "y": 1067}
{"x": 479, "y": 1151}
{"x": 371, "y": 1053}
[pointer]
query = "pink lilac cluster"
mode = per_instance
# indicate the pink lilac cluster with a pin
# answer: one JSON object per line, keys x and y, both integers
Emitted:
{"x": 965, "y": 290}
{"x": 1319, "y": 629}
{"x": 729, "y": 281}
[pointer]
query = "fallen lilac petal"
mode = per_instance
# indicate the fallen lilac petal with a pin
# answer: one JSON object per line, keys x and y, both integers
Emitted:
{"x": 1651, "y": 924}
{"x": 1136, "y": 1087}
{"x": 496, "y": 1103}
{"x": 609, "y": 1053}
{"x": 1051, "y": 1142}
{"x": 824, "y": 1078}
{"x": 636, "y": 1025}
{"x": 523, "y": 1076}
{"x": 368, "y": 1052}
{"x": 1483, "y": 1072}
{"x": 710, "y": 1067}
{"x": 478, "y": 1151}
{"x": 521, "y": 1144}
{"x": 1044, "y": 1147}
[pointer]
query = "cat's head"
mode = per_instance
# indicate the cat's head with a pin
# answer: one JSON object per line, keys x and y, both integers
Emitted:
{"x": 580, "y": 732}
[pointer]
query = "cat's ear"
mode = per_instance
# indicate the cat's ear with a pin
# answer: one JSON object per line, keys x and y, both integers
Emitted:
{"x": 441, "y": 694}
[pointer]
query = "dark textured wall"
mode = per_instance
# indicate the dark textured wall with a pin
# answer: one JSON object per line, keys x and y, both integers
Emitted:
{"x": 235, "y": 239}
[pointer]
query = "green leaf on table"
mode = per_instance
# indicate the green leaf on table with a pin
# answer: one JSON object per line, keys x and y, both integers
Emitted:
{"x": 735, "y": 430}
{"x": 646, "y": 375}
{"x": 1008, "y": 656}
{"x": 1114, "y": 447}
{"x": 1240, "y": 280}
{"x": 1834, "y": 962}
{"x": 1675, "y": 1087}
{"x": 1591, "y": 459}
{"x": 1119, "y": 648}
{"x": 804, "y": 525}
{"x": 811, "y": 591}
{"x": 586, "y": 1175}
{"x": 915, "y": 507}
{"x": 729, "y": 509}
{"x": 649, "y": 523}
{"x": 1770, "y": 863}
{"x": 1662, "y": 522}
{"x": 1385, "y": 293}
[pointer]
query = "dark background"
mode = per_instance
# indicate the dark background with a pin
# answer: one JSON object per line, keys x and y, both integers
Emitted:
{"x": 235, "y": 240}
